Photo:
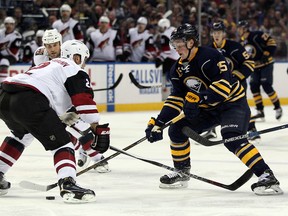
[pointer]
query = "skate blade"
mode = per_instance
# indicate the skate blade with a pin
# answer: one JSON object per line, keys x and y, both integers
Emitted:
{"x": 176, "y": 185}
{"x": 3, "y": 192}
{"x": 273, "y": 190}
{"x": 103, "y": 169}
{"x": 69, "y": 198}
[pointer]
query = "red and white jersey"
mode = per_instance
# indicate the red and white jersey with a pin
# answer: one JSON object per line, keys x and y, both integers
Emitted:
{"x": 139, "y": 44}
{"x": 166, "y": 51}
{"x": 103, "y": 45}
{"x": 69, "y": 30}
{"x": 65, "y": 85}
{"x": 10, "y": 44}
{"x": 29, "y": 51}
{"x": 40, "y": 56}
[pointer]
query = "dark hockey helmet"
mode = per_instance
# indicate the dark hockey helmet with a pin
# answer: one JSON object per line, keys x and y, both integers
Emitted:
{"x": 185, "y": 32}
{"x": 243, "y": 23}
{"x": 218, "y": 26}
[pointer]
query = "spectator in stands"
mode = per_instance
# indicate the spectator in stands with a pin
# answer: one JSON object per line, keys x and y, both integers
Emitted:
{"x": 68, "y": 27}
{"x": 10, "y": 43}
{"x": 32, "y": 46}
{"x": 104, "y": 43}
{"x": 139, "y": 46}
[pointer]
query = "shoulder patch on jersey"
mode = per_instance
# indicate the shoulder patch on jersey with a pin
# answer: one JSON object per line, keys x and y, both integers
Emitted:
{"x": 39, "y": 51}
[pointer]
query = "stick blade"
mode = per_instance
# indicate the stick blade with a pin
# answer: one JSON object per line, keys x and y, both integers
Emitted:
{"x": 241, "y": 180}
{"x": 33, "y": 186}
{"x": 198, "y": 138}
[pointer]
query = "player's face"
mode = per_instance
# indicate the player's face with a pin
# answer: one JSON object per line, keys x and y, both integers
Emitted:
{"x": 181, "y": 48}
{"x": 53, "y": 50}
{"x": 103, "y": 26}
{"x": 65, "y": 15}
{"x": 218, "y": 36}
{"x": 240, "y": 31}
{"x": 9, "y": 27}
{"x": 141, "y": 27}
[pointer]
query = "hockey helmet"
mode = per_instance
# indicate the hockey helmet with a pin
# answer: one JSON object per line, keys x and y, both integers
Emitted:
{"x": 164, "y": 23}
{"x": 9, "y": 20}
{"x": 218, "y": 26}
{"x": 51, "y": 36}
{"x": 142, "y": 20}
{"x": 65, "y": 7}
{"x": 71, "y": 47}
{"x": 243, "y": 23}
{"x": 185, "y": 32}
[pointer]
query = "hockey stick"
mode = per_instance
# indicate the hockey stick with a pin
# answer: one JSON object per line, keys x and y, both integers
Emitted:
{"x": 38, "y": 187}
{"x": 138, "y": 85}
{"x": 113, "y": 86}
{"x": 232, "y": 187}
{"x": 203, "y": 141}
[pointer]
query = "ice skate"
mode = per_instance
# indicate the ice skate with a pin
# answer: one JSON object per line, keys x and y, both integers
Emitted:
{"x": 72, "y": 193}
{"x": 260, "y": 116}
{"x": 267, "y": 185}
{"x": 278, "y": 113}
{"x": 254, "y": 137}
{"x": 175, "y": 180}
{"x": 4, "y": 185}
{"x": 103, "y": 167}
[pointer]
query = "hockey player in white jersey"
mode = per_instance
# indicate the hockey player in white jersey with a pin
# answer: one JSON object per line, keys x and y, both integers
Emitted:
{"x": 44, "y": 93}
{"x": 51, "y": 49}
{"x": 68, "y": 27}
{"x": 32, "y": 46}
{"x": 140, "y": 43}
{"x": 10, "y": 43}
{"x": 104, "y": 42}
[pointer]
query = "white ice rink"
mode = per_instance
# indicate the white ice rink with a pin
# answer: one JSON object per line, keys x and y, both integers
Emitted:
{"x": 131, "y": 189}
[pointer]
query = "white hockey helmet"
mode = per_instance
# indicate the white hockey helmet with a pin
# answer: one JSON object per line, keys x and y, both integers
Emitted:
{"x": 71, "y": 47}
{"x": 164, "y": 23}
{"x": 51, "y": 36}
{"x": 65, "y": 7}
{"x": 142, "y": 20}
{"x": 9, "y": 20}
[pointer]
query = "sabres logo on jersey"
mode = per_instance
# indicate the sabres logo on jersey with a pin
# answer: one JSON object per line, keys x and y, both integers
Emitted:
{"x": 103, "y": 43}
{"x": 250, "y": 50}
{"x": 230, "y": 63}
{"x": 137, "y": 43}
{"x": 195, "y": 84}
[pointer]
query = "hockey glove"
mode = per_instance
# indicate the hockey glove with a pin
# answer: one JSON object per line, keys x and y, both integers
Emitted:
{"x": 265, "y": 57}
{"x": 153, "y": 131}
{"x": 158, "y": 61}
{"x": 102, "y": 138}
{"x": 191, "y": 105}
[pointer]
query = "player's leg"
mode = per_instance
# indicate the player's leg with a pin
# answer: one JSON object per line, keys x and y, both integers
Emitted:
{"x": 267, "y": 84}
{"x": 238, "y": 115}
{"x": 255, "y": 89}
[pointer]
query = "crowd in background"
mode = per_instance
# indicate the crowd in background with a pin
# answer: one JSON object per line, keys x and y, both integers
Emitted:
{"x": 265, "y": 15}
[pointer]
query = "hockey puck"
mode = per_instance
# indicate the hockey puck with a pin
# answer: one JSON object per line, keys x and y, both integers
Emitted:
{"x": 50, "y": 197}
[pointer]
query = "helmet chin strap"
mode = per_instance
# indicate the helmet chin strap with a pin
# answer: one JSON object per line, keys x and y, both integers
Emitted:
{"x": 187, "y": 59}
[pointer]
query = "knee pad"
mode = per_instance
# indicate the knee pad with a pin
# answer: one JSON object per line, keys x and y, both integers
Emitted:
{"x": 233, "y": 146}
{"x": 175, "y": 134}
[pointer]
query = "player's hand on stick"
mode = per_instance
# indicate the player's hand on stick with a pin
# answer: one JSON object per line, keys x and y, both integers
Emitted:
{"x": 69, "y": 118}
{"x": 102, "y": 138}
{"x": 153, "y": 131}
{"x": 191, "y": 105}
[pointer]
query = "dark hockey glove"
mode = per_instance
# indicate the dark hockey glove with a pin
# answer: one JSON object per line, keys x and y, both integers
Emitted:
{"x": 191, "y": 105}
{"x": 265, "y": 57}
{"x": 158, "y": 61}
{"x": 153, "y": 131}
{"x": 102, "y": 138}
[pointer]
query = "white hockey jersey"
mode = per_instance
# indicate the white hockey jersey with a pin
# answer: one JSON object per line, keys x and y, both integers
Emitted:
{"x": 103, "y": 45}
{"x": 139, "y": 44}
{"x": 10, "y": 44}
{"x": 40, "y": 56}
{"x": 69, "y": 30}
{"x": 64, "y": 83}
{"x": 166, "y": 51}
{"x": 29, "y": 51}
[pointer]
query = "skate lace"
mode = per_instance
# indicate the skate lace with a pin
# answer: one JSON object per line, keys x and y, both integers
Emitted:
{"x": 173, "y": 174}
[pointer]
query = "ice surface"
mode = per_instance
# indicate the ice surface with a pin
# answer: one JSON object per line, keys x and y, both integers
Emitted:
{"x": 131, "y": 189}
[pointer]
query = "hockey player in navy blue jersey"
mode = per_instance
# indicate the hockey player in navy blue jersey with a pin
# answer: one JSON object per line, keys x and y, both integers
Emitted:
{"x": 261, "y": 47}
{"x": 204, "y": 88}
{"x": 239, "y": 63}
